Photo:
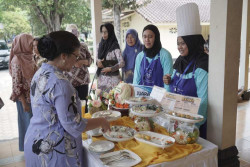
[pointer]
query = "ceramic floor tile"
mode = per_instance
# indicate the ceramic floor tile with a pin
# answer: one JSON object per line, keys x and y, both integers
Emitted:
{"x": 243, "y": 163}
{"x": 15, "y": 149}
{"x": 242, "y": 144}
{"x": 5, "y": 150}
{"x": 18, "y": 164}
{"x": 245, "y": 155}
{"x": 247, "y": 138}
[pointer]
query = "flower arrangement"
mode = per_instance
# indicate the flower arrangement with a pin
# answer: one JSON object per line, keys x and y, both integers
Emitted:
{"x": 96, "y": 101}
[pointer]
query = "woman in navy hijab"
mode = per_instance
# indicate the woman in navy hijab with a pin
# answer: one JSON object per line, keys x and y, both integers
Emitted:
{"x": 133, "y": 47}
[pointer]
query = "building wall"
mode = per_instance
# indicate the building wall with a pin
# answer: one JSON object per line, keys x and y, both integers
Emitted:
{"x": 167, "y": 32}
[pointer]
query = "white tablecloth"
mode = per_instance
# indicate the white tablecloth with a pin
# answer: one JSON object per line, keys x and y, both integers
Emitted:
{"x": 207, "y": 157}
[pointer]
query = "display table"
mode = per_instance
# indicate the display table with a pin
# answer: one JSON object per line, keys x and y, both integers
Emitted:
{"x": 207, "y": 157}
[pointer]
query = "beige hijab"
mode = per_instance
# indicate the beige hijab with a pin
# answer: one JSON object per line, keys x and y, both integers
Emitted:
{"x": 22, "y": 53}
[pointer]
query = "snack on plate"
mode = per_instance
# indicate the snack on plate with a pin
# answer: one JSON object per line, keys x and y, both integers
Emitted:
{"x": 120, "y": 132}
{"x": 158, "y": 139}
{"x": 147, "y": 109}
{"x": 184, "y": 115}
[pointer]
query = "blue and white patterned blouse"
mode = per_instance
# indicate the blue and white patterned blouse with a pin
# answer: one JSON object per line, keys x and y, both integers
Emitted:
{"x": 54, "y": 134}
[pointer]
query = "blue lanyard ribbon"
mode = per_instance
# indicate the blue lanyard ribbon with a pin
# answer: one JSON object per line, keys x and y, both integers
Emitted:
{"x": 176, "y": 84}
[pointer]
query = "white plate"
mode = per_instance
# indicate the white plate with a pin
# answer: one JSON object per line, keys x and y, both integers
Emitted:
{"x": 95, "y": 132}
{"x": 110, "y": 115}
{"x": 123, "y": 163}
{"x": 146, "y": 113}
{"x": 156, "y": 139}
{"x": 121, "y": 131}
{"x": 136, "y": 100}
{"x": 199, "y": 117}
{"x": 101, "y": 146}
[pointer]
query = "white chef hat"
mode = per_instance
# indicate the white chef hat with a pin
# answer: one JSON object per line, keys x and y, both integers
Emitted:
{"x": 188, "y": 20}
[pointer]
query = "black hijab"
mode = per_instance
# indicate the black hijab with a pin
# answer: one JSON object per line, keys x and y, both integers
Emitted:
{"x": 195, "y": 44}
{"x": 108, "y": 45}
{"x": 152, "y": 52}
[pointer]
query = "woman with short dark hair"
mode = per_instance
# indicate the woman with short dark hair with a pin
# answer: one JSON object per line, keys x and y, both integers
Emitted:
{"x": 54, "y": 135}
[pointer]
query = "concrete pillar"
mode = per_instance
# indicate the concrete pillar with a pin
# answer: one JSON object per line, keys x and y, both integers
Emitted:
{"x": 96, "y": 15}
{"x": 244, "y": 50}
{"x": 225, "y": 28}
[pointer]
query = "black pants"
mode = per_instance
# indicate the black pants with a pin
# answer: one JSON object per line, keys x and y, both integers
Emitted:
{"x": 203, "y": 130}
{"x": 83, "y": 93}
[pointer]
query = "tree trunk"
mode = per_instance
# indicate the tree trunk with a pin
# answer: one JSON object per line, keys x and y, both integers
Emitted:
{"x": 117, "y": 22}
{"x": 53, "y": 21}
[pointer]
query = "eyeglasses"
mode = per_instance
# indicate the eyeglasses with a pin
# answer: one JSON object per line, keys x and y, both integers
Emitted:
{"x": 77, "y": 56}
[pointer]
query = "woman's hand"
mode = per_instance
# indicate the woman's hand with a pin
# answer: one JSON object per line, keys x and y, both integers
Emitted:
{"x": 26, "y": 106}
{"x": 80, "y": 63}
{"x": 167, "y": 79}
{"x": 99, "y": 63}
{"x": 105, "y": 125}
{"x": 107, "y": 69}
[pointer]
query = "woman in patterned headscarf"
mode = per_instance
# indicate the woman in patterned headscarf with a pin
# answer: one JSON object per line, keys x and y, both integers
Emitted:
{"x": 109, "y": 59}
{"x": 154, "y": 61}
{"x": 22, "y": 68}
{"x": 133, "y": 47}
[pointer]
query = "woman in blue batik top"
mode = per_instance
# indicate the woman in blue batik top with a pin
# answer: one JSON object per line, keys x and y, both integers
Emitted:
{"x": 154, "y": 61}
{"x": 53, "y": 138}
{"x": 133, "y": 47}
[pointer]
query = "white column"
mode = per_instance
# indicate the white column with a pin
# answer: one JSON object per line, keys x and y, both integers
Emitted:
{"x": 225, "y": 28}
{"x": 244, "y": 50}
{"x": 96, "y": 19}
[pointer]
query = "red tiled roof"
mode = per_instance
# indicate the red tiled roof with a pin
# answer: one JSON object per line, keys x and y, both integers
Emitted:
{"x": 163, "y": 11}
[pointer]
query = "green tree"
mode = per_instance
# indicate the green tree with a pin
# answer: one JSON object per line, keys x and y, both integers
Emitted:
{"x": 14, "y": 22}
{"x": 50, "y": 12}
{"x": 118, "y": 6}
{"x": 79, "y": 16}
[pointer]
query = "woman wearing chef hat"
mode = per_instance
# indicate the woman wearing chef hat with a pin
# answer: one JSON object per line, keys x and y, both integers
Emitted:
{"x": 190, "y": 75}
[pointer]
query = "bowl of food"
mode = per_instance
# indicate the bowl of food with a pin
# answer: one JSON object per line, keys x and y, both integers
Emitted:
{"x": 119, "y": 133}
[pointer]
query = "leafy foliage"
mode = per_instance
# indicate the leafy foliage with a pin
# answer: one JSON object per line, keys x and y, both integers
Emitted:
{"x": 49, "y": 15}
{"x": 124, "y": 4}
{"x": 14, "y": 22}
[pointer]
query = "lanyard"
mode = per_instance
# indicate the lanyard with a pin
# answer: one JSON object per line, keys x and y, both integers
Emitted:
{"x": 176, "y": 84}
{"x": 145, "y": 61}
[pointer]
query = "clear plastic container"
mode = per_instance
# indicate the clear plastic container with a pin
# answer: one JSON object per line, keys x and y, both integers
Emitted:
{"x": 184, "y": 133}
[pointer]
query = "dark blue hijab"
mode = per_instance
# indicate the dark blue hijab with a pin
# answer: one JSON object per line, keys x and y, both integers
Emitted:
{"x": 130, "y": 52}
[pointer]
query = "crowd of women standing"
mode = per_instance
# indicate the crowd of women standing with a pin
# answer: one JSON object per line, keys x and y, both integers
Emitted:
{"x": 50, "y": 76}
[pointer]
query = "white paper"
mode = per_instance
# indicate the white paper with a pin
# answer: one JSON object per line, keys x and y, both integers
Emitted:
{"x": 190, "y": 104}
{"x": 158, "y": 93}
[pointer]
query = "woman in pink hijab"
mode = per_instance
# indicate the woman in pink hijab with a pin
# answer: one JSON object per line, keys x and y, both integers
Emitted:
{"x": 22, "y": 68}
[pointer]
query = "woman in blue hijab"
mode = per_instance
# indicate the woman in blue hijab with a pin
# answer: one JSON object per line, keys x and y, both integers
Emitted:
{"x": 133, "y": 47}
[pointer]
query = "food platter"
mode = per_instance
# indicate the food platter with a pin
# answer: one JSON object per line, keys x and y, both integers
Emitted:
{"x": 119, "y": 133}
{"x": 101, "y": 146}
{"x": 110, "y": 115}
{"x": 154, "y": 139}
{"x": 184, "y": 116}
{"x": 139, "y": 100}
{"x": 149, "y": 110}
{"x": 131, "y": 160}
